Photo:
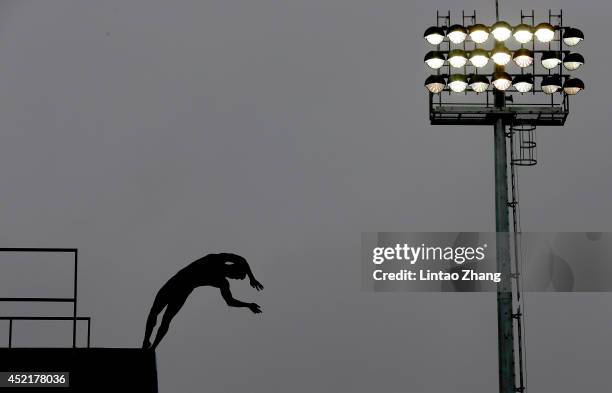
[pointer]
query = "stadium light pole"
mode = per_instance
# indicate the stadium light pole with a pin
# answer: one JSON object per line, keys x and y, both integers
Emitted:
{"x": 505, "y": 326}
{"x": 497, "y": 104}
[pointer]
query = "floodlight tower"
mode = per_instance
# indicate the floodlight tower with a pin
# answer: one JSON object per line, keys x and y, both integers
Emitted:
{"x": 511, "y": 103}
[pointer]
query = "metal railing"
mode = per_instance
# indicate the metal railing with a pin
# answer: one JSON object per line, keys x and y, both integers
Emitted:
{"x": 11, "y": 319}
{"x": 72, "y": 299}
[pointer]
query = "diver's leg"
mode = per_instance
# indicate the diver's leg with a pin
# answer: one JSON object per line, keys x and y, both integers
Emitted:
{"x": 171, "y": 310}
{"x": 158, "y": 305}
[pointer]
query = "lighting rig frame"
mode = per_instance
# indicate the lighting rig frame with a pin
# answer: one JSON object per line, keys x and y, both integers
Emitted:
{"x": 552, "y": 110}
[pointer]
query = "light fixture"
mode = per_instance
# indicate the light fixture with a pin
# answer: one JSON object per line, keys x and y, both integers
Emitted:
{"x": 501, "y": 55}
{"x": 434, "y": 59}
{"x": 523, "y": 33}
{"x": 523, "y": 57}
{"x": 501, "y": 80}
{"x": 457, "y": 83}
{"x": 479, "y": 33}
{"x": 545, "y": 32}
{"x": 434, "y": 35}
{"x": 573, "y": 61}
{"x": 523, "y": 83}
{"x": 479, "y": 58}
{"x": 479, "y": 83}
{"x": 551, "y": 84}
{"x": 435, "y": 83}
{"x": 551, "y": 59}
{"x": 501, "y": 30}
{"x": 573, "y": 86}
{"x": 457, "y": 58}
{"x": 457, "y": 34}
{"x": 572, "y": 36}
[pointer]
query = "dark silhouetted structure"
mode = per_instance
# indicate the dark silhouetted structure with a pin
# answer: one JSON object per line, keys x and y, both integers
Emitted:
{"x": 212, "y": 270}
{"x": 91, "y": 369}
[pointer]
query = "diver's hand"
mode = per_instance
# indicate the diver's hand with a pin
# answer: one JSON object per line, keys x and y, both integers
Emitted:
{"x": 254, "y": 307}
{"x": 256, "y": 284}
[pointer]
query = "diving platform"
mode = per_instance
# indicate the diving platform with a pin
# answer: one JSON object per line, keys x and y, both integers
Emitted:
{"x": 90, "y": 369}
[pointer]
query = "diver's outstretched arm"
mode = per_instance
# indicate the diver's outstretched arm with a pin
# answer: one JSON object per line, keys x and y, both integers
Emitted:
{"x": 229, "y": 299}
{"x": 254, "y": 283}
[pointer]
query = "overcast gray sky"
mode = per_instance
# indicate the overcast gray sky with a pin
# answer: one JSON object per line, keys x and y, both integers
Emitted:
{"x": 148, "y": 133}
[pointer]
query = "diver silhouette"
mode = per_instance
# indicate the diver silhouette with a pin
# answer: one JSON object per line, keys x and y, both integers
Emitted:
{"x": 212, "y": 270}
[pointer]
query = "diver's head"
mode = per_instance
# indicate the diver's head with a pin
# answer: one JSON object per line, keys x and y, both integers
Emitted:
{"x": 235, "y": 269}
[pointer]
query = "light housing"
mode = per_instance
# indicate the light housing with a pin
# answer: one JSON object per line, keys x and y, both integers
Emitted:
{"x": 501, "y": 55}
{"x": 573, "y": 61}
{"x": 457, "y": 83}
{"x": 434, "y": 35}
{"x": 501, "y": 30}
{"x": 479, "y": 58}
{"x": 457, "y": 34}
{"x": 523, "y": 33}
{"x": 434, "y": 59}
{"x": 572, "y": 36}
{"x": 551, "y": 84}
{"x": 479, "y": 33}
{"x": 551, "y": 59}
{"x": 523, "y": 57}
{"x": 457, "y": 58}
{"x": 479, "y": 83}
{"x": 545, "y": 32}
{"x": 523, "y": 83}
{"x": 501, "y": 80}
{"x": 573, "y": 86}
{"x": 435, "y": 83}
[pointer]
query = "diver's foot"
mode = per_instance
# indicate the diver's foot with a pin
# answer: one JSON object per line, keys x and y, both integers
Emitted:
{"x": 146, "y": 345}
